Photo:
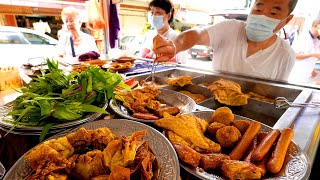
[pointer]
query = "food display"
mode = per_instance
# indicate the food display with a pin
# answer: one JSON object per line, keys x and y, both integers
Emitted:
{"x": 119, "y": 67}
{"x": 55, "y": 98}
{"x": 124, "y": 59}
{"x": 196, "y": 97}
{"x": 96, "y": 62}
{"x": 180, "y": 81}
{"x": 94, "y": 154}
{"x": 229, "y": 149}
{"x": 9, "y": 78}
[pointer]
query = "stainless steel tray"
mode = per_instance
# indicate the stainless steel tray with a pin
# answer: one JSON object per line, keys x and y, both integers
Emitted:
{"x": 296, "y": 165}
{"x": 162, "y": 148}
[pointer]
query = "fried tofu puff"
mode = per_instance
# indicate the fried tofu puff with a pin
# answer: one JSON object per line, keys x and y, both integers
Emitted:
{"x": 222, "y": 115}
{"x": 228, "y": 136}
{"x": 241, "y": 125}
{"x": 214, "y": 127}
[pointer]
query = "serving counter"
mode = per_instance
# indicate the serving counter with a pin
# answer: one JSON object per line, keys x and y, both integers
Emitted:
{"x": 303, "y": 120}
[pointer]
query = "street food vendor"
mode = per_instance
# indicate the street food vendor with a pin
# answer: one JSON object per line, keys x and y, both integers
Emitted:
{"x": 249, "y": 48}
{"x": 75, "y": 42}
{"x": 162, "y": 12}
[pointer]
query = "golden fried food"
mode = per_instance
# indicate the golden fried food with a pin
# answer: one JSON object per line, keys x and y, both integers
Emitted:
{"x": 101, "y": 137}
{"x": 212, "y": 162}
{"x": 213, "y": 128}
{"x": 140, "y": 100}
{"x": 259, "y": 97}
{"x": 120, "y": 173}
{"x": 196, "y": 97}
{"x": 234, "y": 169}
{"x": 87, "y": 166}
{"x": 187, "y": 154}
{"x": 61, "y": 145}
{"x": 79, "y": 140}
{"x": 228, "y": 92}
{"x": 180, "y": 81}
{"x": 187, "y": 126}
{"x": 241, "y": 125}
{"x": 228, "y": 136}
{"x": 56, "y": 176}
{"x": 222, "y": 115}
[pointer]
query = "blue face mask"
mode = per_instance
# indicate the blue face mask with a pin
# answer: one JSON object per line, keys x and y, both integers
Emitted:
{"x": 157, "y": 22}
{"x": 260, "y": 27}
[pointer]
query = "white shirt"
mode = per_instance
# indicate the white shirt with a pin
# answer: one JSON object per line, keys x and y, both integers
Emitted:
{"x": 229, "y": 41}
{"x": 304, "y": 44}
{"x": 87, "y": 44}
{"x": 171, "y": 34}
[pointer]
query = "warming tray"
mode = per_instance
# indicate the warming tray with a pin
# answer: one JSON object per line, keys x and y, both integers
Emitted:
{"x": 264, "y": 112}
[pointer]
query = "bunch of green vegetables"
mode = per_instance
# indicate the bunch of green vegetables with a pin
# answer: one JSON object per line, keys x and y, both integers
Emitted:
{"x": 54, "y": 97}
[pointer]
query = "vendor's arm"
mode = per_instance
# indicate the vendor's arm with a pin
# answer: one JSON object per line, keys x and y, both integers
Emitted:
{"x": 300, "y": 56}
{"x": 167, "y": 48}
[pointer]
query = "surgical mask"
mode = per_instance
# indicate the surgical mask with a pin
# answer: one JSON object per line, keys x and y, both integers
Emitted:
{"x": 157, "y": 22}
{"x": 260, "y": 27}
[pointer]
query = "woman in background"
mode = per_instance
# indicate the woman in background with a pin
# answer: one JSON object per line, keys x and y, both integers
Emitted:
{"x": 162, "y": 12}
{"x": 75, "y": 42}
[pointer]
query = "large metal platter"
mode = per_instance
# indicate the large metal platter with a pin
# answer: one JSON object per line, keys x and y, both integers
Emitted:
{"x": 173, "y": 98}
{"x": 5, "y": 109}
{"x": 162, "y": 148}
{"x": 297, "y": 165}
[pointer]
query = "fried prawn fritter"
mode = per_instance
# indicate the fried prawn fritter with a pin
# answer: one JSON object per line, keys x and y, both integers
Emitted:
{"x": 213, "y": 128}
{"x": 223, "y": 115}
{"x": 228, "y": 136}
{"x": 79, "y": 140}
{"x": 212, "y": 162}
{"x": 187, "y": 154}
{"x": 241, "y": 125}
{"x": 62, "y": 146}
{"x": 180, "y": 81}
{"x": 87, "y": 166}
{"x": 101, "y": 137}
{"x": 187, "y": 126}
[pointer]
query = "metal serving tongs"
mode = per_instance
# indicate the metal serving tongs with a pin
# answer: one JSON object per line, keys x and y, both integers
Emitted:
{"x": 153, "y": 69}
{"x": 283, "y": 103}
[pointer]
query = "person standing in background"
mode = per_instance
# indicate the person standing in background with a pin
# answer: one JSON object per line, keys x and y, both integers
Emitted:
{"x": 307, "y": 49}
{"x": 162, "y": 12}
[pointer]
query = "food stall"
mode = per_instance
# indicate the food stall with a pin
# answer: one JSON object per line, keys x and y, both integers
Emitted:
{"x": 291, "y": 112}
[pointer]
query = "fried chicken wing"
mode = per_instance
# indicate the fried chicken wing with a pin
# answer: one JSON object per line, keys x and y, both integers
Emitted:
{"x": 180, "y": 81}
{"x": 187, "y": 126}
{"x": 187, "y": 154}
{"x": 234, "y": 169}
{"x": 212, "y": 162}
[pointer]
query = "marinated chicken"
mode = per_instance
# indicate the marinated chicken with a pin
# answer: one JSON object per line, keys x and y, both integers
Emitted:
{"x": 234, "y": 169}
{"x": 228, "y": 92}
{"x": 180, "y": 81}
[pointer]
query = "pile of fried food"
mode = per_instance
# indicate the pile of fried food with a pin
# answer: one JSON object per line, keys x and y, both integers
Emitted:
{"x": 143, "y": 104}
{"x": 196, "y": 97}
{"x": 94, "y": 155}
{"x": 235, "y": 149}
{"x": 120, "y": 66}
{"x": 180, "y": 81}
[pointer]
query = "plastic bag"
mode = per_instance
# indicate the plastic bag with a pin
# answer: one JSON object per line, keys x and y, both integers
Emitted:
{"x": 95, "y": 16}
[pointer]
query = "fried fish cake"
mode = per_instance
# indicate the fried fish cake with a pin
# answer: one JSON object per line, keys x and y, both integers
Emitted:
{"x": 222, "y": 115}
{"x": 228, "y": 136}
{"x": 214, "y": 127}
{"x": 241, "y": 125}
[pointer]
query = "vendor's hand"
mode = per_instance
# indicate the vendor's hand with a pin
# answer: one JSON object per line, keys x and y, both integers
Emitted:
{"x": 317, "y": 55}
{"x": 164, "y": 49}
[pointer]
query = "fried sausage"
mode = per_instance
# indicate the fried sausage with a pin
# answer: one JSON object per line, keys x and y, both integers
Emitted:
{"x": 252, "y": 146}
{"x": 245, "y": 141}
{"x": 262, "y": 165}
{"x": 265, "y": 145}
{"x": 145, "y": 116}
{"x": 275, "y": 163}
{"x": 169, "y": 110}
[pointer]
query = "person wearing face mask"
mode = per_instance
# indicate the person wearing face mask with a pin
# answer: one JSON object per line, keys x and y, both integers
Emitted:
{"x": 307, "y": 48}
{"x": 162, "y": 12}
{"x": 74, "y": 42}
{"x": 250, "y": 48}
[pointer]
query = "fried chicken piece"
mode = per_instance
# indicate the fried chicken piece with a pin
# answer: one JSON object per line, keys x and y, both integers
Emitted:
{"x": 187, "y": 154}
{"x": 222, "y": 115}
{"x": 228, "y": 92}
{"x": 241, "y": 125}
{"x": 228, "y": 136}
{"x": 87, "y": 166}
{"x": 187, "y": 126}
{"x": 234, "y": 169}
{"x": 212, "y": 162}
{"x": 122, "y": 152}
{"x": 213, "y": 128}
{"x": 180, "y": 81}
{"x": 79, "y": 140}
{"x": 196, "y": 97}
{"x": 119, "y": 173}
{"x": 101, "y": 138}
{"x": 62, "y": 146}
